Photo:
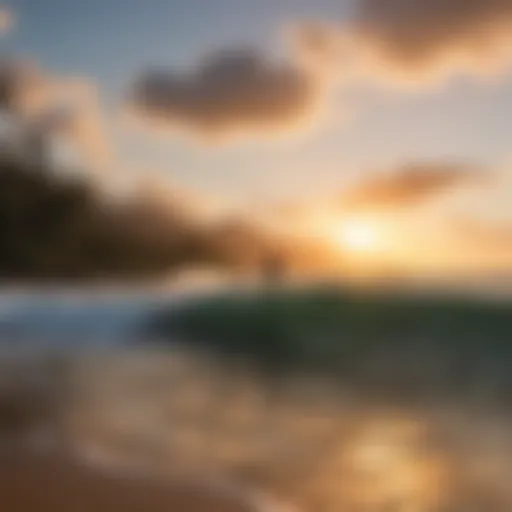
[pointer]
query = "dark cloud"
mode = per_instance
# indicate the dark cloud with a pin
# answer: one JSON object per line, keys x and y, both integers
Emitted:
{"x": 63, "y": 228}
{"x": 418, "y": 36}
{"x": 53, "y": 229}
{"x": 232, "y": 93}
{"x": 408, "y": 186}
{"x": 53, "y": 226}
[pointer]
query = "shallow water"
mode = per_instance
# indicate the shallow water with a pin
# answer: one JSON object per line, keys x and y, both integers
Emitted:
{"x": 312, "y": 444}
{"x": 426, "y": 444}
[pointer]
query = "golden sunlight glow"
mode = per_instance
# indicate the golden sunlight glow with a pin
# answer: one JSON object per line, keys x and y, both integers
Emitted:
{"x": 358, "y": 236}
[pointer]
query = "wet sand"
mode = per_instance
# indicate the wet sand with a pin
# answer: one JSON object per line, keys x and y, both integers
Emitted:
{"x": 42, "y": 483}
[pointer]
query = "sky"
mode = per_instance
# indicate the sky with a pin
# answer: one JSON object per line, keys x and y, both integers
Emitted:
{"x": 427, "y": 83}
{"x": 112, "y": 41}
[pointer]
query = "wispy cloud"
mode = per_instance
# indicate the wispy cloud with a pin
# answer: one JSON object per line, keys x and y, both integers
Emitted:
{"x": 7, "y": 20}
{"x": 409, "y": 185}
{"x": 63, "y": 106}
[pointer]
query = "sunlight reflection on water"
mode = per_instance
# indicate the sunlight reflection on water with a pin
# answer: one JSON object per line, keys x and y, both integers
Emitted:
{"x": 176, "y": 413}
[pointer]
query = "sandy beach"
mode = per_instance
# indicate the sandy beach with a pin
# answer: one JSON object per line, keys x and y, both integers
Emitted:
{"x": 43, "y": 483}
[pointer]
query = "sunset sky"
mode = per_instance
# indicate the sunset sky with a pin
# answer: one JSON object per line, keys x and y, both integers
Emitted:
{"x": 312, "y": 105}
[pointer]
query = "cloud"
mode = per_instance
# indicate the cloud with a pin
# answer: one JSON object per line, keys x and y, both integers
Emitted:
{"x": 417, "y": 38}
{"x": 408, "y": 186}
{"x": 239, "y": 92}
{"x": 7, "y": 20}
{"x": 82, "y": 122}
{"x": 416, "y": 42}
{"x": 62, "y": 106}
{"x": 75, "y": 230}
{"x": 65, "y": 229}
{"x": 58, "y": 229}
{"x": 233, "y": 93}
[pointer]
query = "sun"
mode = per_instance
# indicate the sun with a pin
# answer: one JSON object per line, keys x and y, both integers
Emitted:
{"x": 358, "y": 236}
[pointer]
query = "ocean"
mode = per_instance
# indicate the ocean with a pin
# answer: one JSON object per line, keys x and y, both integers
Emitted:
{"x": 409, "y": 426}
